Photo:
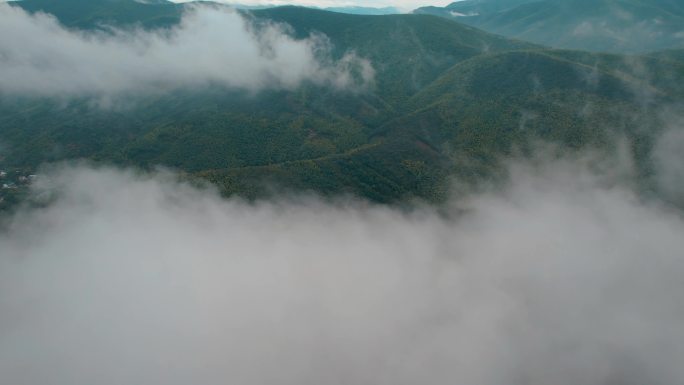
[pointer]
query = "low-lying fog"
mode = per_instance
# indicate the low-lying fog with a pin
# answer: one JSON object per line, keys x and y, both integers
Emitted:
{"x": 211, "y": 46}
{"x": 563, "y": 277}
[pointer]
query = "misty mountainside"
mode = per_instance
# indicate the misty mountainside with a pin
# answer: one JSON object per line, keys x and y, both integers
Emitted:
{"x": 634, "y": 26}
{"x": 203, "y": 194}
{"x": 444, "y": 100}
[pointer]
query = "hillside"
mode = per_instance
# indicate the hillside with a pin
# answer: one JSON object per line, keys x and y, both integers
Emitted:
{"x": 408, "y": 51}
{"x": 364, "y": 10}
{"x": 480, "y": 110}
{"x": 419, "y": 46}
{"x": 597, "y": 25}
{"x": 447, "y": 100}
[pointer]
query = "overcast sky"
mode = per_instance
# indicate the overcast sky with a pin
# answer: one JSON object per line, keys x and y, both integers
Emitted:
{"x": 406, "y": 5}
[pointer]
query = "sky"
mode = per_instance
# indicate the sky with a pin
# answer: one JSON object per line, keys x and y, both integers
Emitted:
{"x": 404, "y": 5}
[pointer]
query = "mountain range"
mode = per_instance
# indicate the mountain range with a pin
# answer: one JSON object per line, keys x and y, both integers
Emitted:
{"x": 620, "y": 26}
{"x": 448, "y": 102}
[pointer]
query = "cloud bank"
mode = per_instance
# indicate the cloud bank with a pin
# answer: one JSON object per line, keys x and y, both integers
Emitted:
{"x": 563, "y": 277}
{"x": 211, "y": 46}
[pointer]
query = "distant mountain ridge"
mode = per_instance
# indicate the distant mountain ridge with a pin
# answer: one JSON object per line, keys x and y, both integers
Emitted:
{"x": 364, "y": 10}
{"x": 598, "y": 25}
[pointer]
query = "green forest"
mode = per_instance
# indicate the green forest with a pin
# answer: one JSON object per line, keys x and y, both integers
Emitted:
{"x": 448, "y": 101}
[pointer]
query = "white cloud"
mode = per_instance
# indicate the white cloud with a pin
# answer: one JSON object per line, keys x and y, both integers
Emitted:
{"x": 459, "y": 14}
{"x": 668, "y": 158}
{"x": 210, "y": 47}
{"x": 564, "y": 277}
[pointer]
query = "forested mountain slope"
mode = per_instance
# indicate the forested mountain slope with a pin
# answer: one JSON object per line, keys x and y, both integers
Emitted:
{"x": 597, "y": 25}
{"x": 446, "y": 99}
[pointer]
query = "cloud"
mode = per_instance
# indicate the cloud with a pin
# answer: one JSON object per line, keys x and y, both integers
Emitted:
{"x": 561, "y": 277}
{"x": 211, "y": 46}
{"x": 623, "y": 34}
{"x": 668, "y": 159}
{"x": 459, "y": 14}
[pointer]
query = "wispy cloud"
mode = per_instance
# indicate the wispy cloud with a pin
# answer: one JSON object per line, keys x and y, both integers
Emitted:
{"x": 211, "y": 46}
